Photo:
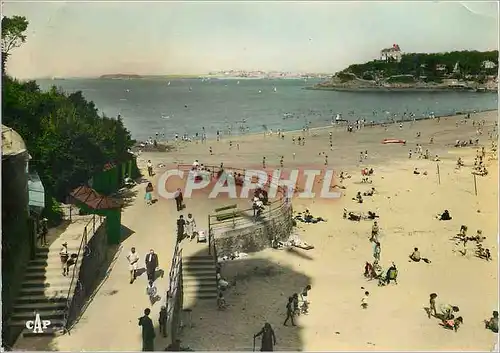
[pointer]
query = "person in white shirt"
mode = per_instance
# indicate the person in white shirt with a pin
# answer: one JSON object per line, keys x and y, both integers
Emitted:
{"x": 150, "y": 168}
{"x": 190, "y": 226}
{"x": 152, "y": 292}
{"x": 133, "y": 260}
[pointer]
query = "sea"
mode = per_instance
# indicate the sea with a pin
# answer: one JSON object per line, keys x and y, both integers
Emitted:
{"x": 164, "y": 107}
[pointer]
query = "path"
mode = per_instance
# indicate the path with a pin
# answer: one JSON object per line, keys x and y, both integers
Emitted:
{"x": 110, "y": 321}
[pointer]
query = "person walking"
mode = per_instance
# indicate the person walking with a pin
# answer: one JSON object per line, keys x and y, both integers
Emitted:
{"x": 180, "y": 228}
{"x": 162, "y": 321}
{"x": 44, "y": 230}
{"x": 268, "y": 338}
{"x": 178, "y": 199}
{"x": 148, "y": 196}
{"x": 150, "y": 168}
{"x": 376, "y": 251}
{"x": 190, "y": 226}
{"x": 133, "y": 260}
{"x": 64, "y": 255}
{"x": 148, "y": 331}
{"x": 290, "y": 312}
{"x": 151, "y": 265}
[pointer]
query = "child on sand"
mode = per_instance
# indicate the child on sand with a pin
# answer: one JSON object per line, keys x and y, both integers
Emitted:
{"x": 364, "y": 300}
{"x": 432, "y": 305}
{"x": 453, "y": 324}
{"x": 492, "y": 323}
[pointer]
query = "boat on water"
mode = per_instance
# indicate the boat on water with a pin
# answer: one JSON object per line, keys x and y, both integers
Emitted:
{"x": 274, "y": 89}
{"x": 168, "y": 84}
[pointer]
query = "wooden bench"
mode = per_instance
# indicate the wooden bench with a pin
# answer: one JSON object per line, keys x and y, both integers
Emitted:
{"x": 226, "y": 215}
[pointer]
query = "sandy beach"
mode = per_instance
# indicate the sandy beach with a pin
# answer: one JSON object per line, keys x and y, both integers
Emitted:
{"x": 407, "y": 204}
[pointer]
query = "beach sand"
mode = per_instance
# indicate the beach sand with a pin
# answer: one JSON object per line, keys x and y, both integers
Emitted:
{"x": 407, "y": 204}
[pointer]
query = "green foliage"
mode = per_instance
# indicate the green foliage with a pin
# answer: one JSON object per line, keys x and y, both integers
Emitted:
{"x": 64, "y": 134}
{"x": 52, "y": 211}
{"x": 401, "y": 79}
{"x": 421, "y": 64}
{"x": 13, "y": 36}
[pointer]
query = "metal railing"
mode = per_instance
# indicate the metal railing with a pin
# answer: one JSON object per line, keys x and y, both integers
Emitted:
{"x": 70, "y": 305}
{"x": 174, "y": 293}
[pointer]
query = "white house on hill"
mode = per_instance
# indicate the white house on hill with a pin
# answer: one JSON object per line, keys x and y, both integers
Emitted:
{"x": 391, "y": 54}
{"x": 487, "y": 64}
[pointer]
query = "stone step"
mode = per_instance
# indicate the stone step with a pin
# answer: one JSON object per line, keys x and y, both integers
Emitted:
{"x": 198, "y": 275}
{"x": 199, "y": 260}
{"x": 190, "y": 280}
{"x": 54, "y": 282}
{"x": 53, "y": 274}
{"x": 199, "y": 290}
{"x": 47, "y": 269}
{"x": 40, "y": 299}
{"x": 55, "y": 305}
{"x": 44, "y": 315}
{"x": 48, "y": 332}
{"x": 52, "y": 291}
{"x": 54, "y": 323}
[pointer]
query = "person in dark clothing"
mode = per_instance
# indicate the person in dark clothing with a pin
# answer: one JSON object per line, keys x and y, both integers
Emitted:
{"x": 162, "y": 321}
{"x": 151, "y": 264}
{"x": 148, "y": 332}
{"x": 180, "y": 228}
{"x": 178, "y": 199}
{"x": 268, "y": 338}
{"x": 445, "y": 216}
{"x": 289, "y": 312}
{"x": 43, "y": 232}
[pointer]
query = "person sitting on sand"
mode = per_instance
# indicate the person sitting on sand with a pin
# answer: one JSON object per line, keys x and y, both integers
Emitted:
{"x": 453, "y": 324}
{"x": 483, "y": 253}
{"x": 392, "y": 274}
{"x": 415, "y": 171}
{"x": 460, "y": 162}
{"x": 369, "y": 192}
{"x": 436, "y": 159}
{"x": 492, "y": 323}
{"x": 372, "y": 215}
{"x": 358, "y": 198}
{"x": 478, "y": 237}
{"x": 447, "y": 311}
{"x": 463, "y": 230}
{"x": 445, "y": 216}
{"x": 415, "y": 256}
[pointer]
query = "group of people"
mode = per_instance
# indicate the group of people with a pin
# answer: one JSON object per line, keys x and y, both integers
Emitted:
{"x": 296, "y": 306}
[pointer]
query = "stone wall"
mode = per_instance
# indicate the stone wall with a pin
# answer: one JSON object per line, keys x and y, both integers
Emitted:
{"x": 90, "y": 268}
{"x": 17, "y": 239}
{"x": 257, "y": 236}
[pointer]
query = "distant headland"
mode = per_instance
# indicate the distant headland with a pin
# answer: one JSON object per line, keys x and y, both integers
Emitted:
{"x": 396, "y": 71}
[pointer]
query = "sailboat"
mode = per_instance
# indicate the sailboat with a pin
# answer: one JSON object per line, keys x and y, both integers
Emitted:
{"x": 274, "y": 89}
{"x": 168, "y": 84}
{"x": 238, "y": 82}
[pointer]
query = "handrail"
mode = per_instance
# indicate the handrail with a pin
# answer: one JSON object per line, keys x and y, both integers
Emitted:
{"x": 69, "y": 296}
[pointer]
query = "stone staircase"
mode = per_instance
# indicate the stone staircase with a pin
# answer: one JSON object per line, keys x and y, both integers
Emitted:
{"x": 198, "y": 279}
{"x": 44, "y": 290}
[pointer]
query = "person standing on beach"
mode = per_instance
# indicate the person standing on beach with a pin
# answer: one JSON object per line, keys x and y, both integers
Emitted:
{"x": 432, "y": 305}
{"x": 289, "y": 312}
{"x": 364, "y": 300}
{"x": 264, "y": 162}
{"x": 376, "y": 251}
{"x": 268, "y": 338}
{"x": 148, "y": 331}
{"x": 150, "y": 168}
{"x": 133, "y": 260}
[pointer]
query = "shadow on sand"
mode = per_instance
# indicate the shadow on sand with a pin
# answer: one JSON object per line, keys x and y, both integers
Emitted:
{"x": 258, "y": 293}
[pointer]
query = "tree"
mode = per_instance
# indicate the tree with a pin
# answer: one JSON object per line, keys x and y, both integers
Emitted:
{"x": 67, "y": 138}
{"x": 13, "y": 35}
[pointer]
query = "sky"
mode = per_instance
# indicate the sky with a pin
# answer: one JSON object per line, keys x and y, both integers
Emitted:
{"x": 88, "y": 39}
